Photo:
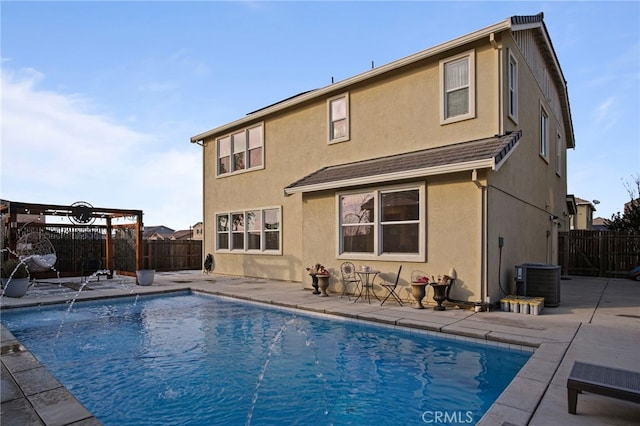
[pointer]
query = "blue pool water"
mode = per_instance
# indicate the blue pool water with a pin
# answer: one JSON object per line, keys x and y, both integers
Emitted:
{"x": 201, "y": 360}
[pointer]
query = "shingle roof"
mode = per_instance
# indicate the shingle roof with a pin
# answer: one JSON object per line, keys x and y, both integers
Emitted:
{"x": 476, "y": 154}
{"x": 527, "y": 19}
{"x": 514, "y": 23}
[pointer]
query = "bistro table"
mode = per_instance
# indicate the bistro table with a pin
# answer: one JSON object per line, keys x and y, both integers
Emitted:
{"x": 367, "y": 277}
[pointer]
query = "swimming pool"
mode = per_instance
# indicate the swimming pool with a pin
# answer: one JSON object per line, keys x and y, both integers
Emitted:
{"x": 198, "y": 359}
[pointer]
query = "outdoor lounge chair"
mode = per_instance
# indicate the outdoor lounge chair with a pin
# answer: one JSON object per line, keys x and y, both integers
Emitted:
{"x": 391, "y": 288}
{"x": 607, "y": 381}
{"x": 349, "y": 277}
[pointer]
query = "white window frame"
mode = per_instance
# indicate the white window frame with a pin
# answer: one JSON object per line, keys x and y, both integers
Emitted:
{"x": 512, "y": 89}
{"x": 471, "y": 85}
{"x": 378, "y": 254}
{"x": 245, "y": 150}
{"x": 544, "y": 133}
{"x": 330, "y": 119}
{"x": 245, "y": 231}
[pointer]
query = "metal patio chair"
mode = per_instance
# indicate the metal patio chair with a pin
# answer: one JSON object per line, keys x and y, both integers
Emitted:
{"x": 391, "y": 288}
{"x": 349, "y": 277}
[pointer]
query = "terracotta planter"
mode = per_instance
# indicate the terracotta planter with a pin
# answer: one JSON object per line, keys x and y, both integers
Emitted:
{"x": 145, "y": 276}
{"x": 16, "y": 287}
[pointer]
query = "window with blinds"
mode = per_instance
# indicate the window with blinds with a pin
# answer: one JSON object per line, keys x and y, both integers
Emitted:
{"x": 457, "y": 82}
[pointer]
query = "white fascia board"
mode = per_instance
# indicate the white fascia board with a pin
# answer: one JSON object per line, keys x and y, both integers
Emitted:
{"x": 341, "y": 85}
{"x": 387, "y": 177}
{"x": 528, "y": 26}
{"x": 499, "y": 164}
{"x": 547, "y": 41}
{"x": 563, "y": 81}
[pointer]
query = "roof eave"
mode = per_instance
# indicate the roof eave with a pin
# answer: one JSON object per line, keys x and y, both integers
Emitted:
{"x": 566, "y": 108}
{"x": 394, "y": 176}
{"x": 319, "y": 93}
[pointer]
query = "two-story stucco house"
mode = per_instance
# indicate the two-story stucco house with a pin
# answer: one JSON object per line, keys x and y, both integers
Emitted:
{"x": 453, "y": 157}
{"x": 583, "y": 219}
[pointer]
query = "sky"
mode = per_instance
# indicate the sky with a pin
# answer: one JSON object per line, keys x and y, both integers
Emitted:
{"x": 99, "y": 99}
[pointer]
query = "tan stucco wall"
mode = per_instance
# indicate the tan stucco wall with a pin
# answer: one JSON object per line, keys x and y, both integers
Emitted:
{"x": 584, "y": 217}
{"x": 399, "y": 112}
{"x": 526, "y": 197}
{"x": 453, "y": 218}
{"x": 386, "y": 117}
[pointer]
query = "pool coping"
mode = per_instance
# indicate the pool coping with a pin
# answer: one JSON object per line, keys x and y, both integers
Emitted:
{"x": 548, "y": 337}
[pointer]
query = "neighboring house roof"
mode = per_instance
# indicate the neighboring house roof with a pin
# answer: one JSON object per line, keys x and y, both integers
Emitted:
{"x": 183, "y": 234}
{"x": 160, "y": 230}
{"x": 158, "y": 236}
{"x": 515, "y": 23}
{"x": 599, "y": 224}
{"x": 581, "y": 202}
{"x": 476, "y": 154}
{"x": 630, "y": 204}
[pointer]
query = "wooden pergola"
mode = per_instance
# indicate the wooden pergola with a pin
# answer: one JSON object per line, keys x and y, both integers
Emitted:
{"x": 81, "y": 214}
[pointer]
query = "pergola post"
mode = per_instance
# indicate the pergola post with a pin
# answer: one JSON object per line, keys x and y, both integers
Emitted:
{"x": 139, "y": 248}
{"x": 109, "y": 247}
{"x": 81, "y": 215}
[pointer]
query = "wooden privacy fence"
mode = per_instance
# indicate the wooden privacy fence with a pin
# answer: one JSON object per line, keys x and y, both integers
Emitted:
{"x": 598, "y": 253}
{"x": 161, "y": 255}
{"x": 75, "y": 246}
{"x": 172, "y": 255}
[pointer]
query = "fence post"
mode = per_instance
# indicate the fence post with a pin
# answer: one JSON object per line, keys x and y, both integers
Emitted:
{"x": 564, "y": 244}
{"x": 601, "y": 254}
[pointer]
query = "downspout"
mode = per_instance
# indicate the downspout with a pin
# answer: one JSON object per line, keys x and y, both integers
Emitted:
{"x": 483, "y": 250}
{"x": 204, "y": 213}
{"x": 484, "y": 261}
{"x": 499, "y": 66}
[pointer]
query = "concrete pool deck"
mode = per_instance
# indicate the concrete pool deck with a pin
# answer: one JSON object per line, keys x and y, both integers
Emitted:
{"x": 598, "y": 321}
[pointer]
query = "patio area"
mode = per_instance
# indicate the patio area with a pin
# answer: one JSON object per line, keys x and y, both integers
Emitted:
{"x": 598, "y": 321}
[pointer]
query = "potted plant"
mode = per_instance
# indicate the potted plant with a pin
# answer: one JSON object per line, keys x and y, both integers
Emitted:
{"x": 145, "y": 276}
{"x": 320, "y": 277}
{"x": 15, "y": 278}
{"x": 323, "y": 280}
{"x": 418, "y": 288}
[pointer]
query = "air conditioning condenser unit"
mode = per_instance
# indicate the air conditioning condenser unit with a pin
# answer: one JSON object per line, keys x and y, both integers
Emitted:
{"x": 539, "y": 280}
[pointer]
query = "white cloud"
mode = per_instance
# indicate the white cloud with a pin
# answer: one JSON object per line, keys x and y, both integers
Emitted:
{"x": 56, "y": 149}
{"x": 604, "y": 114}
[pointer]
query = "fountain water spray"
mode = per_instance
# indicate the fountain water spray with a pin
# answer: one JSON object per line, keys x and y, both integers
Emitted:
{"x": 272, "y": 346}
{"x": 66, "y": 314}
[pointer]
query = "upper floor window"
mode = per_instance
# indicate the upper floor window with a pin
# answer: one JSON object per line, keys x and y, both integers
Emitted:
{"x": 240, "y": 151}
{"x": 457, "y": 82}
{"x": 383, "y": 222}
{"x": 513, "y": 87}
{"x": 544, "y": 133}
{"x": 338, "y": 112}
{"x": 256, "y": 230}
